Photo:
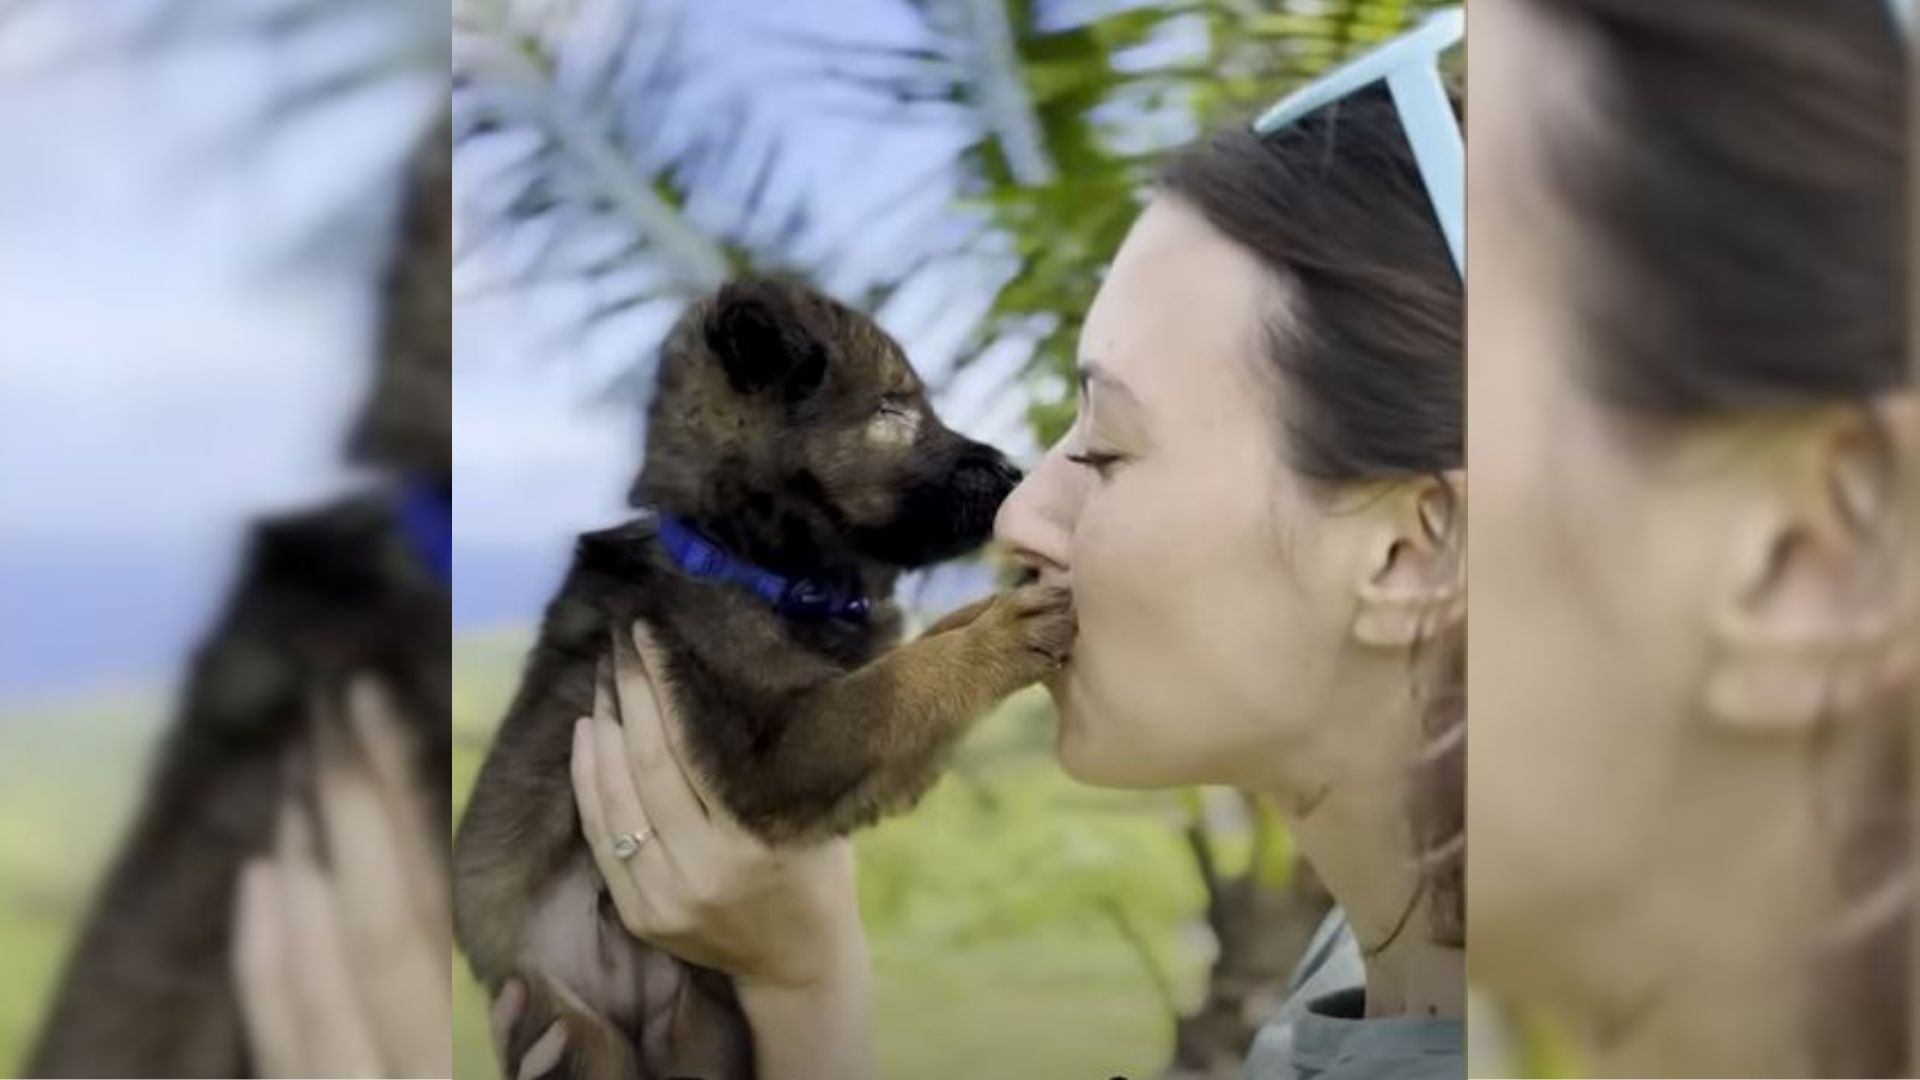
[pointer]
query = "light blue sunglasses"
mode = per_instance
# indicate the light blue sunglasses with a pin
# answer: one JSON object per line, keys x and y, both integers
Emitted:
{"x": 1410, "y": 66}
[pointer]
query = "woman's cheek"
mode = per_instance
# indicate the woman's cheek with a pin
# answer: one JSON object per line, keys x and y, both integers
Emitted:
{"x": 1106, "y": 583}
{"x": 1120, "y": 722}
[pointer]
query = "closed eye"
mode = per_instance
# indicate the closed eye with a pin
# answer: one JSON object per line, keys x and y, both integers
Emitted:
{"x": 894, "y": 423}
{"x": 1099, "y": 461}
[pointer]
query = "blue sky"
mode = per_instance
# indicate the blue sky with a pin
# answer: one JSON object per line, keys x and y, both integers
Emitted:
{"x": 183, "y": 330}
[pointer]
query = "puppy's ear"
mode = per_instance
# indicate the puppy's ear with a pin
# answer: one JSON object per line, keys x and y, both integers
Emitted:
{"x": 764, "y": 344}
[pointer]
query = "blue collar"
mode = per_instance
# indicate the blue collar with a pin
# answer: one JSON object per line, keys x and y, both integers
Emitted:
{"x": 810, "y": 599}
{"x": 427, "y": 518}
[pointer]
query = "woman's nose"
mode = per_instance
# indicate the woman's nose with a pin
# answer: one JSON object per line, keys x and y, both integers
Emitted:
{"x": 1035, "y": 523}
{"x": 1039, "y": 567}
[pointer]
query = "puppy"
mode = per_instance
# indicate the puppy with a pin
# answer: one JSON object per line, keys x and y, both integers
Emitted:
{"x": 794, "y": 469}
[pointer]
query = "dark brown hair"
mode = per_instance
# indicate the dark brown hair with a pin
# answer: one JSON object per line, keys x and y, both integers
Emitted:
{"x": 1746, "y": 216}
{"x": 1742, "y": 207}
{"x": 1370, "y": 351}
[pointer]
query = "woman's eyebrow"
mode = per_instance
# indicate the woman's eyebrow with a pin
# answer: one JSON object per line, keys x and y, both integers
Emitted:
{"x": 1092, "y": 373}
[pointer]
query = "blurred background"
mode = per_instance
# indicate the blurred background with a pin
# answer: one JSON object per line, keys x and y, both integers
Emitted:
{"x": 196, "y": 201}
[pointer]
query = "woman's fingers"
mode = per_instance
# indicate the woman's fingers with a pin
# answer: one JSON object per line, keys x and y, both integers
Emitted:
{"x": 364, "y": 854}
{"x": 506, "y": 1013}
{"x": 653, "y": 659}
{"x": 627, "y": 816}
{"x": 262, "y": 974}
{"x": 395, "y": 962}
{"x": 389, "y": 752}
{"x": 338, "y": 1040}
{"x": 545, "y": 1052}
{"x": 672, "y": 804}
{"x": 600, "y": 832}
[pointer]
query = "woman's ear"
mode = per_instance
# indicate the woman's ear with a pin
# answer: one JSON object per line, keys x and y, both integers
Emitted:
{"x": 1414, "y": 586}
{"x": 1816, "y": 626}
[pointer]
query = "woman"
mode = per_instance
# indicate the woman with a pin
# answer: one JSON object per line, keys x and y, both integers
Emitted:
{"x": 1690, "y": 382}
{"x": 1258, "y": 513}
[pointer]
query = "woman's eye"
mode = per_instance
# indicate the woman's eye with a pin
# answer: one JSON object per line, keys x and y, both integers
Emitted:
{"x": 1099, "y": 461}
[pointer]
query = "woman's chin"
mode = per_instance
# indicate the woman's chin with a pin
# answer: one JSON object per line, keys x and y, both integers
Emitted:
{"x": 1070, "y": 736}
{"x": 1076, "y": 758}
{"x": 1089, "y": 756}
{"x": 1089, "y": 761}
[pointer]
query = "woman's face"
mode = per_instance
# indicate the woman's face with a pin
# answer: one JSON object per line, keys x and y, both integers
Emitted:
{"x": 1577, "y": 670}
{"x": 1214, "y": 596}
{"x": 1623, "y": 740}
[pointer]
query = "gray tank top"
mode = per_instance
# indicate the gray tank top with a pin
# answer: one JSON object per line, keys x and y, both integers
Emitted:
{"x": 1320, "y": 1032}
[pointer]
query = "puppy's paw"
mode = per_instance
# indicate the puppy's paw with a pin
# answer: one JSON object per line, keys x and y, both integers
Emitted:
{"x": 1028, "y": 632}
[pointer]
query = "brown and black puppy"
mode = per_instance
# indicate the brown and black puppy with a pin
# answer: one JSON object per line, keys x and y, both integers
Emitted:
{"x": 790, "y": 432}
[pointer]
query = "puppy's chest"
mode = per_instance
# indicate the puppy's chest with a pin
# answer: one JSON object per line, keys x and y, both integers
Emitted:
{"x": 849, "y": 644}
{"x": 739, "y": 638}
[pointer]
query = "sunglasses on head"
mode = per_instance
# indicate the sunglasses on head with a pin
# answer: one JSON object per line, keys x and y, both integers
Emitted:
{"x": 1410, "y": 66}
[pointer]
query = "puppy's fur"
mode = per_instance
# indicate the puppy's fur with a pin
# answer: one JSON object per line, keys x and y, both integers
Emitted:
{"x": 792, "y": 431}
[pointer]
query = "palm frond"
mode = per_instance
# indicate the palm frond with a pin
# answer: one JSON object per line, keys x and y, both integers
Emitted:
{"x": 1066, "y": 231}
{"x": 564, "y": 186}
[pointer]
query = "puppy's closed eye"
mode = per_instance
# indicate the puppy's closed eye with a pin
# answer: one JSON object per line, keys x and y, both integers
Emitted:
{"x": 894, "y": 425}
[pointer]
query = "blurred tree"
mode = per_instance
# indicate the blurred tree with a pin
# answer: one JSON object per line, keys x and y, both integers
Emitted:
{"x": 607, "y": 153}
{"x": 556, "y": 123}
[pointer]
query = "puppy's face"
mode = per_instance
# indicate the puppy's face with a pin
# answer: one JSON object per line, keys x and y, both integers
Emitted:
{"x": 772, "y": 395}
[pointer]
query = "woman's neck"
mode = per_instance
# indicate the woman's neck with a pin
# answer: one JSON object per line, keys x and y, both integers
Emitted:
{"x": 1705, "y": 971}
{"x": 1352, "y": 824}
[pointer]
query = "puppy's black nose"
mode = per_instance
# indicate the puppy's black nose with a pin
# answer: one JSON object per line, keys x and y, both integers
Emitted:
{"x": 992, "y": 466}
{"x": 1007, "y": 472}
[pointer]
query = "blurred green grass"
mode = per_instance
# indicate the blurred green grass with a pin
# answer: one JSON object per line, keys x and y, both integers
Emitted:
{"x": 1000, "y": 912}
{"x": 68, "y": 778}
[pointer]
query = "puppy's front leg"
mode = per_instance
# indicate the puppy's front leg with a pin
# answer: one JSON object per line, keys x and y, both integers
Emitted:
{"x": 869, "y": 742}
{"x": 959, "y": 617}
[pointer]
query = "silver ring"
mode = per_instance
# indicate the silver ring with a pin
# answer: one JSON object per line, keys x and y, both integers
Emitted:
{"x": 627, "y": 845}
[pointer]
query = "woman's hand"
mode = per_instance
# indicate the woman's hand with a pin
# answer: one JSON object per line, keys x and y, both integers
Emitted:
{"x": 546, "y": 1052}
{"x": 344, "y": 969}
{"x": 784, "y": 923}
